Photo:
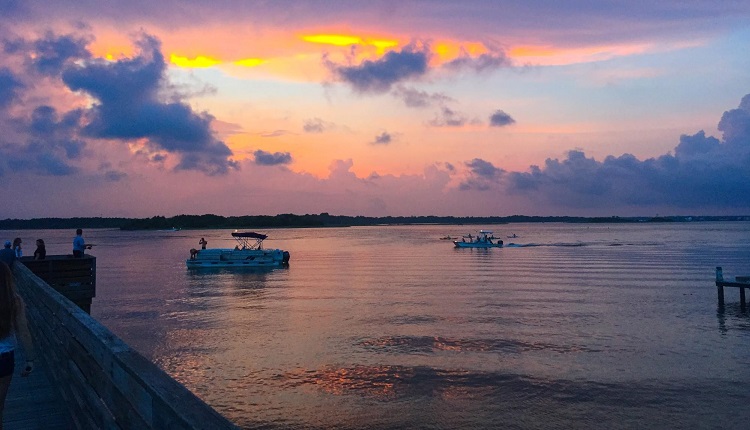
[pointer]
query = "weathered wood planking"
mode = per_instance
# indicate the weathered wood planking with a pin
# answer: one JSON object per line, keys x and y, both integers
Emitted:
{"x": 74, "y": 278}
{"x": 104, "y": 382}
{"x": 32, "y": 403}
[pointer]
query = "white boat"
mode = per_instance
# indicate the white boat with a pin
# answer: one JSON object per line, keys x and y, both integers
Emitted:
{"x": 248, "y": 253}
{"x": 483, "y": 239}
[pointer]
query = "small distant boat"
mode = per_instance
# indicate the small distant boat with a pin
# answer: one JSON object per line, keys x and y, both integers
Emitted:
{"x": 513, "y": 236}
{"x": 249, "y": 252}
{"x": 483, "y": 239}
{"x": 448, "y": 238}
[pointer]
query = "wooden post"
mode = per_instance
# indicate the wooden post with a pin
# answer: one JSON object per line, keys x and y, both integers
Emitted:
{"x": 742, "y": 299}
{"x": 719, "y": 286}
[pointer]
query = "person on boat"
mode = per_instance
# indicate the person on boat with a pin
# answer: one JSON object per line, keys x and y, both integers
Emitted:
{"x": 202, "y": 243}
{"x": 41, "y": 251}
{"x": 12, "y": 323}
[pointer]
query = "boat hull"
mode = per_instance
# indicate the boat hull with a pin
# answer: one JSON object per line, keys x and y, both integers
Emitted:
{"x": 477, "y": 244}
{"x": 238, "y": 258}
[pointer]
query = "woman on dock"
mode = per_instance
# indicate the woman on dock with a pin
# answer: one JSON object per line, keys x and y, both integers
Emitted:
{"x": 12, "y": 323}
{"x": 17, "y": 247}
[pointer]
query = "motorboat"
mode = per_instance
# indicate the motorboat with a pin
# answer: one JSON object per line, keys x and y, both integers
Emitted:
{"x": 483, "y": 239}
{"x": 249, "y": 252}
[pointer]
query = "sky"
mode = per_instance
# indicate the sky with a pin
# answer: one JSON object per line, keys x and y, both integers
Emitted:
{"x": 375, "y": 108}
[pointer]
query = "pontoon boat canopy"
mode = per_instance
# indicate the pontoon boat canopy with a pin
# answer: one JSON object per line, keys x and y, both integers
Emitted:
{"x": 250, "y": 234}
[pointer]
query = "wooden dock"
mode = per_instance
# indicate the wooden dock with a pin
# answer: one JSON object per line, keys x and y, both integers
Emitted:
{"x": 32, "y": 403}
{"x": 741, "y": 282}
{"x": 85, "y": 376}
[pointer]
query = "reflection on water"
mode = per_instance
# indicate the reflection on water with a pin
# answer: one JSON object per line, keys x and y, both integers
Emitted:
{"x": 573, "y": 326}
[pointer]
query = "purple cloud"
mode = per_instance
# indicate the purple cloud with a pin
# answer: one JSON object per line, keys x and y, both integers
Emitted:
{"x": 419, "y": 99}
{"x": 315, "y": 125}
{"x": 378, "y": 76}
{"x": 383, "y": 138}
{"x": 264, "y": 158}
{"x": 482, "y": 175}
{"x": 53, "y": 53}
{"x": 482, "y": 63}
{"x": 448, "y": 118}
{"x": 130, "y": 107}
{"x": 10, "y": 86}
{"x": 703, "y": 172}
{"x": 500, "y": 119}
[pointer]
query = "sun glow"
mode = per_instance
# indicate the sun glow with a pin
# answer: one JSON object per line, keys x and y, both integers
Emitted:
{"x": 346, "y": 40}
{"x": 250, "y": 62}
{"x": 199, "y": 62}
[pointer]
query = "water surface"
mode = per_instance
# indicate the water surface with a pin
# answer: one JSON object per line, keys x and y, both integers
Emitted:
{"x": 571, "y": 326}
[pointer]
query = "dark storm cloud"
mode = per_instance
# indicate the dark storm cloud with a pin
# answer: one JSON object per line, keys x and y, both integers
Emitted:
{"x": 264, "y": 158}
{"x": 53, "y": 53}
{"x": 703, "y": 172}
{"x": 500, "y": 119}
{"x": 10, "y": 86}
{"x": 383, "y": 138}
{"x": 130, "y": 107}
{"x": 419, "y": 99}
{"x": 378, "y": 76}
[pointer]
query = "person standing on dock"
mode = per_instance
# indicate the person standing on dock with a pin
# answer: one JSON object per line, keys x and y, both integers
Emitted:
{"x": 79, "y": 245}
{"x": 12, "y": 322}
{"x": 41, "y": 251}
{"x": 17, "y": 247}
{"x": 7, "y": 255}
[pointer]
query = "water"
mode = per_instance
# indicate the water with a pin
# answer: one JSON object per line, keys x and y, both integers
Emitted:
{"x": 579, "y": 326}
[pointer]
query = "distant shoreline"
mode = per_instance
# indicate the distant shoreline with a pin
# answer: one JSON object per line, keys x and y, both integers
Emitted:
{"x": 209, "y": 221}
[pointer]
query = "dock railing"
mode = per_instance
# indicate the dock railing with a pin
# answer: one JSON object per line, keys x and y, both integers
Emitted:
{"x": 105, "y": 383}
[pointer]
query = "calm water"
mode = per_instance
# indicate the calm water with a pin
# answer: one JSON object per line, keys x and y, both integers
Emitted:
{"x": 602, "y": 326}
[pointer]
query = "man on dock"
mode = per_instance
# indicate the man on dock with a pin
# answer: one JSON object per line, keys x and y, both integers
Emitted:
{"x": 79, "y": 245}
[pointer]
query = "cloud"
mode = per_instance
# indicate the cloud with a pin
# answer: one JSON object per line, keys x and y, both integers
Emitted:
{"x": 482, "y": 175}
{"x": 383, "y": 138}
{"x": 130, "y": 107}
{"x": 276, "y": 133}
{"x": 500, "y": 119}
{"x": 10, "y": 86}
{"x": 448, "y": 118}
{"x": 378, "y": 76}
{"x": 114, "y": 175}
{"x": 51, "y": 143}
{"x": 482, "y": 63}
{"x": 263, "y": 158}
{"x": 53, "y": 53}
{"x": 317, "y": 125}
{"x": 420, "y": 99}
{"x": 704, "y": 172}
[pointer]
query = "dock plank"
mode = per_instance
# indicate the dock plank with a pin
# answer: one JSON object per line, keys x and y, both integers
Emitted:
{"x": 32, "y": 402}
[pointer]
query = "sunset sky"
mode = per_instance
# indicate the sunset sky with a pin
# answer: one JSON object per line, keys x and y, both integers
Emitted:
{"x": 465, "y": 108}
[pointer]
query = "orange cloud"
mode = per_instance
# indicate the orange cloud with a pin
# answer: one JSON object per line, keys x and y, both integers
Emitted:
{"x": 552, "y": 56}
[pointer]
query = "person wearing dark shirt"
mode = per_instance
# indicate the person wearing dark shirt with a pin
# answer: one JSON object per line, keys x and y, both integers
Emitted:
{"x": 41, "y": 250}
{"x": 7, "y": 255}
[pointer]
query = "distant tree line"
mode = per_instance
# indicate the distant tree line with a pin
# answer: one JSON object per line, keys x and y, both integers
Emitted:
{"x": 316, "y": 220}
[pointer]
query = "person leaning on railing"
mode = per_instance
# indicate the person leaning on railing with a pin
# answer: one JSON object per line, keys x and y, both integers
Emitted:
{"x": 12, "y": 323}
